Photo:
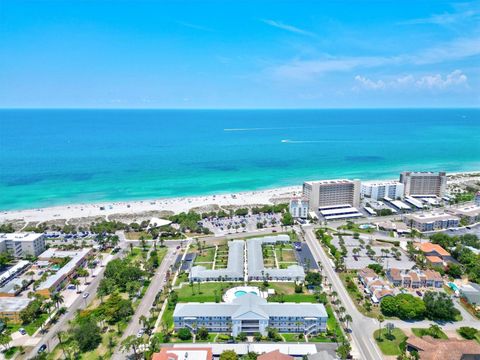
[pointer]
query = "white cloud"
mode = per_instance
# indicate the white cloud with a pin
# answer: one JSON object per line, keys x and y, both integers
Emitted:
{"x": 370, "y": 84}
{"x": 442, "y": 19}
{"x": 458, "y": 49}
{"x": 455, "y": 79}
{"x": 287, "y": 27}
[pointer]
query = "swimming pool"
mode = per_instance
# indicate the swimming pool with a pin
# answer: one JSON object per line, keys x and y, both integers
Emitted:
{"x": 238, "y": 291}
{"x": 453, "y": 286}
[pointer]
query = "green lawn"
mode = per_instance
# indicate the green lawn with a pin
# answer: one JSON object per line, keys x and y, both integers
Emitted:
{"x": 207, "y": 255}
{"x": 289, "y": 337}
{"x": 10, "y": 352}
{"x": 206, "y": 293}
{"x": 357, "y": 296}
{"x": 420, "y": 332}
{"x": 390, "y": 346}
{"x": 135, "y": 235}
{"x": 29, "y": 328}
{"x": 211, "y": 338}
{"x": 332, "y": 323}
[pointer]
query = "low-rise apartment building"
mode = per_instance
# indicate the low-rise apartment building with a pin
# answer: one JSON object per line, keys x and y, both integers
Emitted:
{"x": 414, "y": 278}
{"x": 250, "y": 314}
{"x": 22, "y": 244}
{"x": 256, "y": 267}
{"x": 11, "y": 307}
{"x": 374, "y": 285}
{"x": 471, "y": 293}
{"x": 379, "y": 189}
{"x": 298, "y": 208}
{"x": 431, "y": 221}
{"x": 55, "y": 282}
{"x": 233, "y": 272}
{"x": 434, "y": 253}
{"x": 470, "y": 213}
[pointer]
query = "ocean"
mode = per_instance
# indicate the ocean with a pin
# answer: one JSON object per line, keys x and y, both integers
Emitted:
{"x": 55, "y": 157}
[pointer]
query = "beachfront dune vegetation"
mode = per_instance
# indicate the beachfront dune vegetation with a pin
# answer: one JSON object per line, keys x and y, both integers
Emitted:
{"x": 189, "y": 222}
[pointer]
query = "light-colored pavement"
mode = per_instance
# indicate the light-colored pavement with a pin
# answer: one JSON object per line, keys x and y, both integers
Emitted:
{"x": 50, "y": 338}
{"x": 143, "y": 309}
{"x": 363, "y": 346}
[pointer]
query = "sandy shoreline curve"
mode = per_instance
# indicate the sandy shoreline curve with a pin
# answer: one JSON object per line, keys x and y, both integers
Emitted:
{"x": 175, "y": 205}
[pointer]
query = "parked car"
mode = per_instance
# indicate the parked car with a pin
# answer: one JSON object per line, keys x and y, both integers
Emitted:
{"x": 71, "y": 287}
{"x": 42, "y": 348}
{"x": 22, "y": 331}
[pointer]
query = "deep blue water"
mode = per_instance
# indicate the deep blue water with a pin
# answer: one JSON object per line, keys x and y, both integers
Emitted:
{"x": 51, "y": 157}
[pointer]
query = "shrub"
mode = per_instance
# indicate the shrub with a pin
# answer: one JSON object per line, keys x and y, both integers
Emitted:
{"x": 184, "y": 334}
{"x": 468, "y": 332}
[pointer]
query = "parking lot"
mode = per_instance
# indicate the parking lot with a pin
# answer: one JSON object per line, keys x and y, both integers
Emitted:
{"x": 362, "y": 260}
{"x": 240, "y": 223}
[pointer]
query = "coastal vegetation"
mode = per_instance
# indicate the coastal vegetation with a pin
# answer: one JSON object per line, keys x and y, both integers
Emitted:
{"x": 434, "y": 306}
{"x": 468, "y": 261}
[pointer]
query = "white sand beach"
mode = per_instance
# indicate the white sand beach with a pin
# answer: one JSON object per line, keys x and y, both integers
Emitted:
{"x": 179, "y": 204}
{"x": 175, "y": 205}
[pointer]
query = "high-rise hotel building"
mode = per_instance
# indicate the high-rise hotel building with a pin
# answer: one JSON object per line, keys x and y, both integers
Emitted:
{"x": 424, "y": 183}
{"x": 332, "y": 192}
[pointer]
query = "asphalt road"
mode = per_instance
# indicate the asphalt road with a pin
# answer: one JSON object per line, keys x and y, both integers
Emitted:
{"x": 361, "y": 326}
{"x": 50, "y": 338}
{"x": 157, "y": 282}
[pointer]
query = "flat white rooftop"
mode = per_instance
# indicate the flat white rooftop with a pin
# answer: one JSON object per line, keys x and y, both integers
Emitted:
{"x": 381, "y": 183}
{"x": 242, "y": 349}
{"x": 331, "y": 182}
{"x": 414, "y": 202}
{"x": 472, "y": 210}
{"x": 13, "y": 304}
{"x": 350, "y": 209}
{"x": 25, "y": 236}
{"x": 431, "y": 216}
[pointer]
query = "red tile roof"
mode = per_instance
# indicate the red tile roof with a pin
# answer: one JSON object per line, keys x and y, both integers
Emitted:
{"x": 274, "y": 355}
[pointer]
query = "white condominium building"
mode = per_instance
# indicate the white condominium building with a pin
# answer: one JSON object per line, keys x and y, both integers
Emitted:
{"x": 431, "y": 221}
{"x": 299, "y": 208}
{"x": 424, "y": 183}
{"x": 379, "y": 190}
{"x": 22, "y": 244}
{"x": 331, "y": 192}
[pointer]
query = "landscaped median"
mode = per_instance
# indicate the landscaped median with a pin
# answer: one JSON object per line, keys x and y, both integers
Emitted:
{"x": 390, "y": 342}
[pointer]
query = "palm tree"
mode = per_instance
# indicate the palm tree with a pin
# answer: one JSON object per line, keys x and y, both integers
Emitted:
{"x": 381, "y": 319}
{"x": 130, "y": 343}
{"x": 60, "y": 336}
{"x": 348, "y": 319}
{"x": 83, "y": 273}
{"x": 57, "y": 298}
{"x": 75, "y": 282}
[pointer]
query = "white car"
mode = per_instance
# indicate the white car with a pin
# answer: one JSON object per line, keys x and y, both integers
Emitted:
{"x": 85, "y": 295}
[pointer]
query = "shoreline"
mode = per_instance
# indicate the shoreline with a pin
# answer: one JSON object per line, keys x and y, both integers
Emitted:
{"x": 167, "y": 205}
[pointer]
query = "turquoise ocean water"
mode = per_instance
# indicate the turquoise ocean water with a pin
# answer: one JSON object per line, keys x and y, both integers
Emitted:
{"x": 53, "y": 157}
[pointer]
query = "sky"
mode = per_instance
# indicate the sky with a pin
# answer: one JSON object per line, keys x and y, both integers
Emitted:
{"x": 239, "y": 54}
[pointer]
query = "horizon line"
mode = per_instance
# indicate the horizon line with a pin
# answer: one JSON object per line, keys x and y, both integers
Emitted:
{"x": 247, "y": 108}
